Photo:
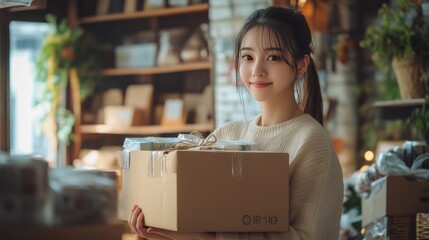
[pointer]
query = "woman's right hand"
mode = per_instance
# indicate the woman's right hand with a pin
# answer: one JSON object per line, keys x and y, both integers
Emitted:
{"x": 136, "y": 224}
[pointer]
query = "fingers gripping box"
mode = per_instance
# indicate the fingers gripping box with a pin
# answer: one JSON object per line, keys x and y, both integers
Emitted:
{"x": 207, "y": 191}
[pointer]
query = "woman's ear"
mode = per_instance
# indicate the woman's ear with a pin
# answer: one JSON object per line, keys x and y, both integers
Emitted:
{"x": 303, "y": 65}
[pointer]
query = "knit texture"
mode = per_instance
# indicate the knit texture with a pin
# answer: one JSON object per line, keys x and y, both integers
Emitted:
{"x": 316, "y": 181}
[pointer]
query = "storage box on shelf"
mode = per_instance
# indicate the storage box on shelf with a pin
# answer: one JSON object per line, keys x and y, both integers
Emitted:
{"x": 128, "y": 48}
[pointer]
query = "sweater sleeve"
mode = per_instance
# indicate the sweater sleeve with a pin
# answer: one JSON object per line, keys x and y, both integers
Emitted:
{"x": 316, "y": 191}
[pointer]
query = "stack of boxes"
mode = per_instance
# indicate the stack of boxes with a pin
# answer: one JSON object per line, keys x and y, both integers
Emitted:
{"x": 391, "y": 209}
{"x": 68, "y": 197}
{"x": 397, "y": 200}
{"x": 41, "y": 203}
{"x": 24, "y": 191}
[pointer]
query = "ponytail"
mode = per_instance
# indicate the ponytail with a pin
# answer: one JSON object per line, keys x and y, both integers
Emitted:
{"x": 311, "y": 97}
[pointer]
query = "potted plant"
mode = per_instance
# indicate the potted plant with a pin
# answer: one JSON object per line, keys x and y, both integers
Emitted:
{"x": 64, "y": 57}
{"x": 401, "y": 42}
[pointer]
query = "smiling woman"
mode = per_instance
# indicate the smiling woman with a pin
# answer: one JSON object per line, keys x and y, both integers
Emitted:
{"x": 273, "y": 55}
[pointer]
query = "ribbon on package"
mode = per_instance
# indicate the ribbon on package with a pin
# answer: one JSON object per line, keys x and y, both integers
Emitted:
{"x": 194, "y": 140}
{"x": 160, "y": 148}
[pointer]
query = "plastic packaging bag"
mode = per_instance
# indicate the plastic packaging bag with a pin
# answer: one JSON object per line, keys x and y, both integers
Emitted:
{"x": 14, "y": 3}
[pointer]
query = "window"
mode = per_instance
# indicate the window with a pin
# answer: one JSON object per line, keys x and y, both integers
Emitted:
{"x": 26, "y": 136}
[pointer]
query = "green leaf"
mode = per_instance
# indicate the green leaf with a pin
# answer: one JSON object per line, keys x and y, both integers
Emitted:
{"x": 74, "y": 39}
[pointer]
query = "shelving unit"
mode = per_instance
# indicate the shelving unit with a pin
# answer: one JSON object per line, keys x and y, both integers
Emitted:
{"x": 398, "y": 109}
{"x": 202, "y": 7}
{"x": 157, "y": 70}
{"x": 144, "y": 130}
{"x": 109, "y": 28}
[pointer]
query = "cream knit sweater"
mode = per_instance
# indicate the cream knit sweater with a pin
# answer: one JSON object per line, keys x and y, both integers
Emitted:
{"x": 316, "y": 182}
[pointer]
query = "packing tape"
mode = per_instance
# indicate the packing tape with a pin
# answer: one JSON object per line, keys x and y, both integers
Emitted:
{"x": 237, "y": 165}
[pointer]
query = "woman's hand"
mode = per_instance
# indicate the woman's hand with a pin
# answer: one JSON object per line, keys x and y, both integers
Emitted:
{"x": 136, "y": 223}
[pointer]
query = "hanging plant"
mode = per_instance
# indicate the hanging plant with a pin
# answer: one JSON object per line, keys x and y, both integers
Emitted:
{"x": 64, "y": 57}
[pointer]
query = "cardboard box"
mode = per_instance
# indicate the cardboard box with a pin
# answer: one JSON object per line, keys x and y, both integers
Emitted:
{"x": 139, "y": 96}
{"x": 24, "y": 189}
{"x": 125, "y": 116}
{"x": 136, "y": 55}
{"x": 207, "y": 191}
{"x": 395, "y": 196}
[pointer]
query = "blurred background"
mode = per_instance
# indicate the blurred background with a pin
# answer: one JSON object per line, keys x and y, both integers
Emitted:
{"x": 77, "y": 77}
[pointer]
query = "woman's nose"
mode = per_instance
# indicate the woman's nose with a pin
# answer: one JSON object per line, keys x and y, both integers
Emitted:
{"x": 259, "y": 70}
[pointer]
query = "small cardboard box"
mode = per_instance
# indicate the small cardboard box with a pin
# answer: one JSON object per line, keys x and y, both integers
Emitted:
{"x": 136, "y": 55}
{"x": 395, "y": 196}
{"x": 207, "y": 191}
{"x": 125, "y": 116}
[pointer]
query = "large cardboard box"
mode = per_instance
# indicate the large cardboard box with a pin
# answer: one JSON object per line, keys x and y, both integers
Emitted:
{"x": 207, "y": 191}
{"x": 395, "y": 196}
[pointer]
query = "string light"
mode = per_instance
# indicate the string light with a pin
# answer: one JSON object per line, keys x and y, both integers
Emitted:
{"x": 369, "y": 156}
{"x": 301, "y": 3}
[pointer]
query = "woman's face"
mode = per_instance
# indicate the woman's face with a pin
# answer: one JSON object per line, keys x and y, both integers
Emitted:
{"x": 262, "y": 68}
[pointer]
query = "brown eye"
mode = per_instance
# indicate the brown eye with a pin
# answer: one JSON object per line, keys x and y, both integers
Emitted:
{"x": 246, "y": 57}
{"x": 274, "y": 58}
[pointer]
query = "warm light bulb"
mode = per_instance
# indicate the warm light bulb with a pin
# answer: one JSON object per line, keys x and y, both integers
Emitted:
{"x": 301, "y": 3}
{"x": 369, "y": 156}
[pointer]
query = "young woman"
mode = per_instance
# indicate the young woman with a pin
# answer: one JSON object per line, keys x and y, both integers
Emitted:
{"x": 273, "y": 56}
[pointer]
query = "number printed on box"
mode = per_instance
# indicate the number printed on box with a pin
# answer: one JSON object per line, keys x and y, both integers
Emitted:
{"x": 260, "y": 219}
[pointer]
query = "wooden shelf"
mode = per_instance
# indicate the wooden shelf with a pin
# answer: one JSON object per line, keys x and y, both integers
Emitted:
{"x": 112, "y": 28}
{"x": 185, "y": 67}
{"x": 202, "y": 7}
{"x": 398, "y": 109}
{"x": 145, "y": 130}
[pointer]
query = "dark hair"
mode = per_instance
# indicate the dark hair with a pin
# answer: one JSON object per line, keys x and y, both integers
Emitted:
{"x": 289, "y": 29}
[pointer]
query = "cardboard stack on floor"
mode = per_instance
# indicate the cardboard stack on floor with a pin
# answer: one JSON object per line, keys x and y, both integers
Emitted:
{"x": 214, "y": 186}
{"x": 395, "y": 194}
{"x": 60, "y": 203}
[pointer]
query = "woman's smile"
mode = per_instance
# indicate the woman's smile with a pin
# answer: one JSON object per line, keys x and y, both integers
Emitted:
{"x": 259, "y": 84}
